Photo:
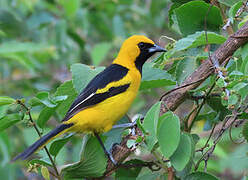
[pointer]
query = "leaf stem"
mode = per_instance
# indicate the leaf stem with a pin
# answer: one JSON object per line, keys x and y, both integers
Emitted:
{"x": 161, "y": 162}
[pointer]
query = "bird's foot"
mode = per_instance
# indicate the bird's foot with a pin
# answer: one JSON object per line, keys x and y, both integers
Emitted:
{"x": 110, "y": 157}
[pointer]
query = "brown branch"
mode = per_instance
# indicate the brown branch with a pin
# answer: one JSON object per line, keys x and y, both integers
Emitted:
{"x": 174, "y": 99}
{"x": 170, "y": 173}
{"x": 39, "y": 133}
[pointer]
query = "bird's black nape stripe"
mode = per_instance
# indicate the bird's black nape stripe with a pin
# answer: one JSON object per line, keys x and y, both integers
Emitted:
{"x": 144, "y": 55}
{"x": 42, "y": 141}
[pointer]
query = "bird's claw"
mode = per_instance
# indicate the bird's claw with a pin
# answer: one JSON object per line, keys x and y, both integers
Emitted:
{"x": 110, "y": 156}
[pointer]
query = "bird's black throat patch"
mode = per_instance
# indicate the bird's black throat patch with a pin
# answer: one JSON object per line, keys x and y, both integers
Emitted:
{"x": 143, "y": 56}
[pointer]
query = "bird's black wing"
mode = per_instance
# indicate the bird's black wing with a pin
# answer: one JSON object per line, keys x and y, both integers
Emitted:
{"x": 88, "y": 96}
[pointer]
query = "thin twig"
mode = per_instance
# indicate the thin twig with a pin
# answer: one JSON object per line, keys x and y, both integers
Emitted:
{"x": 206, "y": 144}
{"x": 180, "y": 87}
{"x": 39, "y": 133}
{"x": 186, "y": 119}
{"x": 201, "y": 105}
{"x": 209, "y": 152}
{"x": 196, "y": 98}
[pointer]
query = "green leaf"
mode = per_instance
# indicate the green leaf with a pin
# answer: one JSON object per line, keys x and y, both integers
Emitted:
{"x": 58, "y": 144}
{"x": 228, "y": 2}
{"x": 40, "y": 161}
{"x": 244, "y": 65}
{"x": 10, "y": 24}
{"x": 233, "y": 99}
{"x": 17, "y": 47}
{"x": 45, "y": 173}
{"x": 149, "y": 176}
{"x": 99, "y": 52}
{"x": 68, "y": 90}
{"x": 183, "y": 153}
{"x": 92, "y": 164}
{"x": 23, "y": 59}
{"x": 59, "y": 98}
{"x": 4, "y": 149}
{"x": 191, "y": 17}
{"x": 180, "y": 1}
{"x": 198, "y": 39}
{"x": 245, "y": 131}
{"x": 70, "y": 7}
{"x": 236, "y": 74}
{"x": 168, "y": 133}
{"x": 209, "y": 116}
{"x": 233, "y": 10}
{"x": 220, "y": 83}
{"x": 45, "y": 99}
{"x": 243, "y": 93}
{"x": 200, "y": 176}
{"x": 9, "y": 120}
{"x": 44, "y": 116}
{"x": 154, "y": 77}
{"x": 47, "y": 112}
{"x": 242, "y": 23}
{"x": 129, "y": 173}
{"x": 239, "y": 86}
{"x": 184, "y": 68}
{"x": 34, "y": 102}
{"x": 150, "y": 125}
{"x": 82, "y": 75}
{"x": 172, "y": 7}
{"x": 5, "y": 100}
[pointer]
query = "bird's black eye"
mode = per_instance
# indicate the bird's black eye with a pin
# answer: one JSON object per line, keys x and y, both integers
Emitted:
{"x": 141, "y": 45}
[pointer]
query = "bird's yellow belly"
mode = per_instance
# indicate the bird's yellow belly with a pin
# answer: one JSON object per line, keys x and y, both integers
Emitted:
{"x": 101, "y": 117}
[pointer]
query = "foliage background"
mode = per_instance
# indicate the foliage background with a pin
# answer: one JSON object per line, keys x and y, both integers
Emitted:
{"x": 41, "y": 42}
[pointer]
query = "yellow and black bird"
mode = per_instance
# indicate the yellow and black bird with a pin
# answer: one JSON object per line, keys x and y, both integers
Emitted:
{"x": 107, "y": 97}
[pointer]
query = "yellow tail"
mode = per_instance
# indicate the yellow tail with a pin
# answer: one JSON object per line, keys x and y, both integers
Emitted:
{"x": 61, "y": 129}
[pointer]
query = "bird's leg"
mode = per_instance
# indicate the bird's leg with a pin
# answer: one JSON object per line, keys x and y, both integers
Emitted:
{"x": 109, "y": 154}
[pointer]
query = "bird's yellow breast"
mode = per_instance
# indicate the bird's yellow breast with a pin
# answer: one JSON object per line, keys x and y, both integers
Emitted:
{"x": 102, "y": 116}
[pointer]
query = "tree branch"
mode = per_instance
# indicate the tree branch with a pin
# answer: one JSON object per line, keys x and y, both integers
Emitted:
{"x": 172, "y": 100}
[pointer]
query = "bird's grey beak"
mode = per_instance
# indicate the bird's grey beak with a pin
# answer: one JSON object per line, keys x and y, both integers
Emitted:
{"x": 156, "y": 48}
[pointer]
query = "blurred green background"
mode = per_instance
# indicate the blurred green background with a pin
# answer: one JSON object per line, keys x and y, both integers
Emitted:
{"x": 41, "y": 39}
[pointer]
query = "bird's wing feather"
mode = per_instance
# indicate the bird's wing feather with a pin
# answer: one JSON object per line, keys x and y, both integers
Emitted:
{"x": 91, "y": 96}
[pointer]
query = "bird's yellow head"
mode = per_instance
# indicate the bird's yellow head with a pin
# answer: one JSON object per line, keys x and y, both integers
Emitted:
{"x": 135, "y": 51}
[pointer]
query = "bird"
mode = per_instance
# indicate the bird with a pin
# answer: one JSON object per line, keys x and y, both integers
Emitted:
{"x": 106, "y": 98}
